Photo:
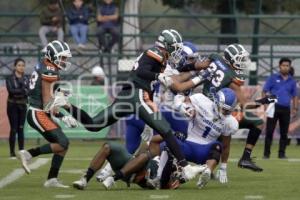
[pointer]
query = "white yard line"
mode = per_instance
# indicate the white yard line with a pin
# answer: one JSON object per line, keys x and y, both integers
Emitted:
{"x": 64, "y": 196}
{"x": 254, "y": 197}
{"x": 73, "y": 171}
{"x": 18, "y": 173}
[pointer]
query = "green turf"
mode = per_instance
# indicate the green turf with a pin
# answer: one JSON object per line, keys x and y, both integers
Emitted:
{"x": 280, "y": 179}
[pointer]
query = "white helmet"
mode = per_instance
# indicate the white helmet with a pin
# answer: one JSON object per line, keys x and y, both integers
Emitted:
{"x": 237, "y": 56}
{"x": 58, "y": 52}
{"x": 171, "y": 41}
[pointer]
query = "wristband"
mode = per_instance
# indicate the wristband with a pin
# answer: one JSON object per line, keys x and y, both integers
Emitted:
{"x": 223, "y": 165}
{"x": 59, "y": 115}
{"x": 196, "y": 80}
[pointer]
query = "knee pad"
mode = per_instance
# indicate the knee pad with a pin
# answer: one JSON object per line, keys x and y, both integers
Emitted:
{"x": 253, "y": 135}
{"x": 215, "y": 152}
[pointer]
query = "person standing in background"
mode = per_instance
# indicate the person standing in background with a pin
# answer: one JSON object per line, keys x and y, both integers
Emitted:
{"x": 283, "y": 85}
{"x": 17, "y": 87}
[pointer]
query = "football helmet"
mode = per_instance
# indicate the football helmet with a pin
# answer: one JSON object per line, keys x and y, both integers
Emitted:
{"x": 190, "y": 54}
{"x": 237, "y": 56}
{"x": 226, "y": 100}
{"x": 58, "y": 52}
{"x": 171, "y": 41}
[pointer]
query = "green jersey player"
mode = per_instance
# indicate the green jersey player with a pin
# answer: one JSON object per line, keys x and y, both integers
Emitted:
{"x": 42, "y": 106}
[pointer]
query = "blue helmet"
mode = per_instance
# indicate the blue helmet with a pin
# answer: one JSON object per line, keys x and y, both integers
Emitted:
{"x": 189, "y": 51}
{"x": 226, "y": 99}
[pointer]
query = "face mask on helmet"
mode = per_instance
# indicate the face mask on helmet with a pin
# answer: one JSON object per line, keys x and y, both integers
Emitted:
{"x": 177, "y": 47}
{"x": 62, "y": 63}
{"x": 58, "y": 53}
{"x": 175, "y": 53}
{"x": 238, "y": 56}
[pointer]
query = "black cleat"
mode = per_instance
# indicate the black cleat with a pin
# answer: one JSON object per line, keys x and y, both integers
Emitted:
{"x": 249, "y": 164}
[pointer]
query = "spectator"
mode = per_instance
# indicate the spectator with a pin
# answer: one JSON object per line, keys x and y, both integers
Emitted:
{"x": 98, "y": 76}
{"x": 51, "y": 22}
{"x": 283, "y": 85}
{"x": 17, "y": 87}
{"x": 107, "y": 19}
{"x": 78, "y": 16}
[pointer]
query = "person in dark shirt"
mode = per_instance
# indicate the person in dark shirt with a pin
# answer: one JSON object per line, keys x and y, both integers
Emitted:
{"x": 17, "y": 87}
{"x": 107, "y": 18}
{"x": 51, "y": 22}
{"x": 78, "y": 16}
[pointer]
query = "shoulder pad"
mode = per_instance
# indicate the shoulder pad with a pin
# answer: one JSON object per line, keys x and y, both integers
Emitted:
{"x": 214, "y": 56}
{"x": 239, "y": 77}
{"x": 155, "y": 54}
{"x": 49, "y": 72}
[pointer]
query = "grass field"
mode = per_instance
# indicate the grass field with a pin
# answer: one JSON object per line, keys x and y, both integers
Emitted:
{"x": 279, "y": 180}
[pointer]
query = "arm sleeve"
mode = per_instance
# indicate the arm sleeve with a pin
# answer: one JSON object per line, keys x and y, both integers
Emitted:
{"x": 145, "y": 69}
{"x": 11, "y": 90}
{"x": 232, "y": 126}
{"x": 267, "y": 86}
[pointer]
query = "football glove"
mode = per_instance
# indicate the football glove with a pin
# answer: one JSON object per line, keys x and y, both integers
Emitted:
{"x": 188, "y": 110}
{"x": 180, "y": 136}
{"x": 147, "y": 134}
{"x": 69, "y": 121}
{"x": 165, "y": 80}
{"x": 60, "y": 99}
{"x": 222, "y": 173}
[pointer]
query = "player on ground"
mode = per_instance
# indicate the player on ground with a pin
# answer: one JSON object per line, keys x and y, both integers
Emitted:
{"x": 42, "y": 106}
{"x": 209, "y": 121}
{"x": 117, "y": 156}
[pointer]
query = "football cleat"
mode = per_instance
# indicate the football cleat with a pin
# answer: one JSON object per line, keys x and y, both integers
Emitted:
{"x": 109, "y": 182}
{"x": 80, "y": 184}
{"x": 104, "y": 173}
{"x": 154, "y": 183}
{"x": 249, "y": 164}
{"x": 53, "y": 182}
{"x": 190, "y": 172}
{"x": 204, "y": 178}
{"x": 25, "y": 157}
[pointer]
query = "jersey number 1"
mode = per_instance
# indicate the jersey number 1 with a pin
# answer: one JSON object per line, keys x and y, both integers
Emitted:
{"x": 206, "y": 132}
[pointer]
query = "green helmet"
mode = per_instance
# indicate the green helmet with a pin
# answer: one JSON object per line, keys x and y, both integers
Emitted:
{"x": 237, "y": 56}
{"x": 171, "y": 41}
{"x": 58, "y": 52}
